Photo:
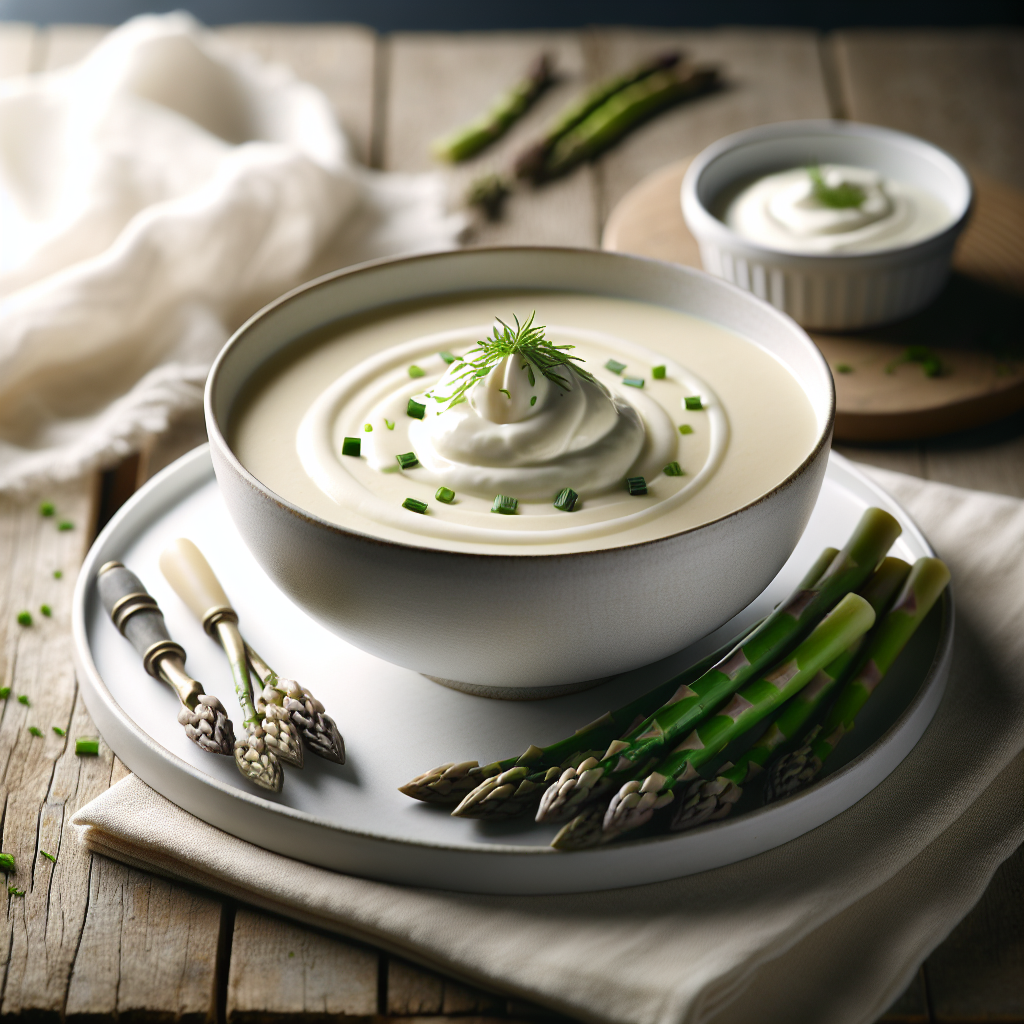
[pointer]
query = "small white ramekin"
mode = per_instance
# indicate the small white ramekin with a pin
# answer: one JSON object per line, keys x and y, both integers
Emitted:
{"x": 832, "y": 291}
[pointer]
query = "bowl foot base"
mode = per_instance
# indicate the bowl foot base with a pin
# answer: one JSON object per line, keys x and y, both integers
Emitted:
{"x": 514, "y": 692}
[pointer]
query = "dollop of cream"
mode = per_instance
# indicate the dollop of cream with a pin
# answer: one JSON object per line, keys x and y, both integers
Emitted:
{"x": 782, "y": 211}
{"x": 529, "y": 438}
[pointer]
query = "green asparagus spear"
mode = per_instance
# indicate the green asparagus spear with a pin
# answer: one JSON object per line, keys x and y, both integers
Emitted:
{"x": 637, "y": 800}
{"x": 765, "y": 647}
{"x": 504, "y": 112}
{"x": 712, "y": 800}
{"x": 518, "y": 788}
{"x": 530, "y": 163}
{"x": 796, "y": 771}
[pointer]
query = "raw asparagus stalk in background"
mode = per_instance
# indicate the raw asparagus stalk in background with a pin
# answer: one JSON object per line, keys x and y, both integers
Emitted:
{"x": 504, "y": 112}
{"x": 530, "y": 163}
{"x": 766, "y": 646}
{"x": 518, "y": 787}
{"x": 793, "y": 772}
{"x": 636, "y": 801}
{"x": 712, "y": 800}
{"x": 317, "y": 729}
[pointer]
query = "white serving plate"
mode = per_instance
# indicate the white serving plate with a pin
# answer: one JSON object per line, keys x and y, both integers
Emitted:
{"x": 396, "y": 723}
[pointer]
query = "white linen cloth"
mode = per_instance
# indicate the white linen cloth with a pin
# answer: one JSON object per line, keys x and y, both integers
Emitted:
{"x": 151, "y": 199}
{"x": 829, "y": 928}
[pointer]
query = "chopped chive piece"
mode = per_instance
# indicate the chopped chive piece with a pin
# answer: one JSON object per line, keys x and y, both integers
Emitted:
{"x": 615, "y": 366}
{"x": 415, "y": 505}
{"x": 57, "y": 574}
{"x": 64, "y": 525}
{"x": 46, "y": 610}
{"x": 35, "y": 730}
{"x": 7, "y": 862}
{"x": 674, "y": 469}
{"x": 533, "y": 401}
{"x": 416, "y": 409}
{"x": 390, "y": 424}
{"x": 415, "y": 371}
{"x": 636, "y": 485}
{"x": 87, "y": 745}
{"x": 506, "y": 393}
{"x": 633, "y": 382}
{"x": 445, "y": 494}
{"x": 565, "y": 499}
{"x": 685, "y": 428}
{"x": 368, "y": 428}
{"x": 693, "y": 402}
{"x": 24, "y": 618}
{"x": 13, "y": 890}
{"x": 658, "y": 372}
{"x": 351, "y": 446}
{"x": 448, "y": 357}
{"x": 46, "y": 508}
{"x": 5, "y": 692}
{"x": 407, "y": 460}
{"x": 49, "y": 856}
{"x": 844, "y": 368}
{"x": 504, "y": 505}
{"x": 23, "y": 699}
{"x": 58, "y": 730}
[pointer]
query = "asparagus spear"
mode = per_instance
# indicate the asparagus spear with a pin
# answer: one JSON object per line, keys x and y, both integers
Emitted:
{"x": 766, "y": 646}
{"x": 712, "y": 800}
{"x": 517, "y": 788}
{"x": 796, "y": 771}
{"x": 636, "y": 801}
{"x": 504, "y": 112}
{"x": 530, "y": 163}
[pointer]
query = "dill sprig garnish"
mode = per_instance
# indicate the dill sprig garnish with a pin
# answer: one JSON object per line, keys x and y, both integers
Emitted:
{"x": 843, "y": 196}
{"x": 525, "y": 340}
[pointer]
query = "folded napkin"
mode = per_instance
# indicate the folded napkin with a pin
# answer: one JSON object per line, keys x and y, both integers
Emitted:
{"x": 151, "y": 199}
{"x": 830, "y": 927}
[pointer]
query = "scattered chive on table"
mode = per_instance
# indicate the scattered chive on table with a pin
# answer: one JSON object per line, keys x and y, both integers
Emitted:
{"x": 86, "y": 937}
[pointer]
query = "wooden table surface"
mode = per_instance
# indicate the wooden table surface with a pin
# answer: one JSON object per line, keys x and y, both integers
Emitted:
{"x": 91, "y": 938}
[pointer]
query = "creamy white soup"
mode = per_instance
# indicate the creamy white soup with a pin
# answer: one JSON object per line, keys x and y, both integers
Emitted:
{"x": 614, "y": 422}
{"x": 835, "y": 208}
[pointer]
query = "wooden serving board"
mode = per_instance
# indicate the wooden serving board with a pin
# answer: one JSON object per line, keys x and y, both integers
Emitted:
{"x": 974, "y": 327}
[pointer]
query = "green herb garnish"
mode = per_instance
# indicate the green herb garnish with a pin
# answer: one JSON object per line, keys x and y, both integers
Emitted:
{"x": 633, "y": 382}
{"x": 565, "y": 499}
{"x": 844, "y": 368}
{"x": 527, "y": 341}
{"x": 674, "y": 469}
{"x": 415, "y": 505}
{"x": 13, "y": 890}
{"x": 7, "y": 862}
{"x": 844, "y": 196}
{"x": 415, "y": 371}
{"x": 929, "y": 361}
{"x": 506, "y": 393}
{"x": 533, "y": 401}
{"x": 685, "y": 428}
{"x": 64, "y": 525}
{"x": 351, "y": 446}
{"x": 448, "y": 357}
{"x": 58, "y": 730}
{"x": 415, "y": 409}
{"x": 23, "y": 699}
{"x": 46, "y": 508}
{"x": 49, "y": 856}
{"x": 46, "y": 610}
{"x": 636, "y": 485}
{"x": 390, "y": 424}
{"x": 87, "y": 746}
{"x": 407, "y": 460}
{"x": 35, "y": 730}
{"x": 5, "y": 692}
{"x": 658, "y": 372}
{"x": 693, "y": 402}
{"x": 504, "y": 505}
{"x": 445, "y": 494}
{"x": 615, "y": 366}
{"x": 368, "y": 428}
{"x": 24, "y": 618}
{"x": 57, "y": 574}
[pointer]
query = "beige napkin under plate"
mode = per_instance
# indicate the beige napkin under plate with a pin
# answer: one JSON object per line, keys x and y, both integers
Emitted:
{"x": 829, "y": 927}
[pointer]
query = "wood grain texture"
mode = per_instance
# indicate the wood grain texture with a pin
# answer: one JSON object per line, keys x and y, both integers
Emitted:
{"x": 281, "y": 970}
{"x": 962, "y": 89}
{"x": 436, "y": 82}
{"x": 415, "y": 991}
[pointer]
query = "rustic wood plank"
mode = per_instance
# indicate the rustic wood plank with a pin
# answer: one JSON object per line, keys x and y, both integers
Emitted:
{"x": 415, "y": 991}
{"x": 289, "y": 970}
{"x": 975, "y": 975}
{"x": 18, "y": 45}
{"x": 769, "y": 75}
{"x": 436, "y": 82}
{"x": 962, "y": 89}
{"x": 338, "y": 59}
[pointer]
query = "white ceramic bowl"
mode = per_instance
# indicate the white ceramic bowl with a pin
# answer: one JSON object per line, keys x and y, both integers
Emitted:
{"x": 834, "y": 291}
{"x": 518, "y": 625}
